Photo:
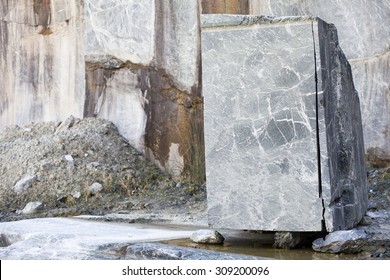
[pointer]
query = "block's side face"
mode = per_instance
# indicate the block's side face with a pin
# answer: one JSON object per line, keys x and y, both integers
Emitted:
{"x": 347, "y": 201}
{"x": 260, "y": 127}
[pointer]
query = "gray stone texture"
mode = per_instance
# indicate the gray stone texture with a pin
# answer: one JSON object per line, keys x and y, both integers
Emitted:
{"x": 284, "y": 146}
{"x": 41, "y": 61}
{"x": 364, "y": 32}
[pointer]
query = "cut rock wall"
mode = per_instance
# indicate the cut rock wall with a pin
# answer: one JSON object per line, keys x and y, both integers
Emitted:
{"x": 143, "y": 74}
{"x": 41, "y": 61}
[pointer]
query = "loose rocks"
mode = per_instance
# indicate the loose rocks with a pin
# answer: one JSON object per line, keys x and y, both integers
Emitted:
{"x": 24, "y": 183}
{"x": 343, "y": 241}
{"x": 206, "y": 236}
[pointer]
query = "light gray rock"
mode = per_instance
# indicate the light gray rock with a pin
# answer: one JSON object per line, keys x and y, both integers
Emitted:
{"x": 75, "y": 239}
{"x": 343, "y": 241}
{"x": 69, "y": 158}
{"x": 65, "y": 125}
{"x": 153, "y": 251}
{"x": 284, "y": 144}
{"x": 207, "y": 236}
{"x": 95, "y": 188}
{"x": 24, "y": 183}
{"x": 31, "y": 207}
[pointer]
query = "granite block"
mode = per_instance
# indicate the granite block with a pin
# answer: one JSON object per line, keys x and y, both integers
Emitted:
{"x": 269, "y": 140}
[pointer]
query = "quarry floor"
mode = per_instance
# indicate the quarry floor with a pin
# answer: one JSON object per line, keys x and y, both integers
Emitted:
{"x": 138, "y": 213}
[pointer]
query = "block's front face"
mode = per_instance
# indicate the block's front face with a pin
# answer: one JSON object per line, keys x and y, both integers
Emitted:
{"x": 260, "y": 126}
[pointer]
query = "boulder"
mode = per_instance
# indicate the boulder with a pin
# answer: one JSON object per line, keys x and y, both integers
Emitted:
{"x": 343, "y": 241}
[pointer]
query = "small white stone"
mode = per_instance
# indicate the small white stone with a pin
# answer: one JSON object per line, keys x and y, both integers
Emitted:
{"x": 69, "y": 158}
{"x": 95, "y": 188}
{"x": 31, "y": 207}
{"x": 76, "y": 195}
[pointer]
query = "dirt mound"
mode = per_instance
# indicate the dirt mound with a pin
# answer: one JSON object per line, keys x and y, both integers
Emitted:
{"x": 83, "y": 167}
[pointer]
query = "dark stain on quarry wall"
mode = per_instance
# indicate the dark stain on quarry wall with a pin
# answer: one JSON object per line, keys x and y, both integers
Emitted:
{"x": 96, "y": 82}
{"x": 174, "y": 116}
{"x": 42, "y": 13}
{"x": 225, "y": 7}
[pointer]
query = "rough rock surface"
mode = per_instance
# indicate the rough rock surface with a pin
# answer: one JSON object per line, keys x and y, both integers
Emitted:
{"x": 346, "y": 241}
{"x": 205, "y": 236}
{"x": 31, "y": 207}
{"x": 143, "y": 74}
{"x": 150, "y": 251}
{"x": 100, "y": 155}
{"x": 282, "y": 126}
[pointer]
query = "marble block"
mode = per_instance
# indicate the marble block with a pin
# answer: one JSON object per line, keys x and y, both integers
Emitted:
{"x": 283, "y": 134}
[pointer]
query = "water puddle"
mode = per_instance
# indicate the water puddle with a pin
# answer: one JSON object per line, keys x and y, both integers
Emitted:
{"x": 264, "y": 250}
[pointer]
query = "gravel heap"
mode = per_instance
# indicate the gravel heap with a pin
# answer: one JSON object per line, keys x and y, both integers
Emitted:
{"x": 82, "y": 166}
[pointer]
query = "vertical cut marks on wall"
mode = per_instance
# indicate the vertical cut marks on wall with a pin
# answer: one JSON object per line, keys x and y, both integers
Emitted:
{"x": 42, "y": 11}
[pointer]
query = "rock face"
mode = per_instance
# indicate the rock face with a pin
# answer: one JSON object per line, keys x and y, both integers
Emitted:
{"x": 142, "y": 63}
{"x": 364, "y": 31}
{"x": 41, "y": 61}
{"x": 284, "y": 144}
{"x": 134, "y": 63}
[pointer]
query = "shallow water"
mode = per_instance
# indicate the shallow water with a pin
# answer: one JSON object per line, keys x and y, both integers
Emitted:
{"x": 264, "y": 250}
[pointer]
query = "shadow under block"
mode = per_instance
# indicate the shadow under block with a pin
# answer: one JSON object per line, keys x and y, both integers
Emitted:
{"x": 283, "y": 131}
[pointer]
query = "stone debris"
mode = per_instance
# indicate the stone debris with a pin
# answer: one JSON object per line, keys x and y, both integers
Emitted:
{"x": 343, "y": 241}
{"x": 24, "y": 183}
{"x": 207, "y": 236}
{"x": 69, "y": 158}
{"x": 95, "y": 188}
{"x": 65, "y": 125}
{"x": 32, "y": 207}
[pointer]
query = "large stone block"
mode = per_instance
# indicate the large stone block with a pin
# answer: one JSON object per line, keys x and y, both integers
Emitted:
{"x": 41, "y": 61}
{"x": 284, "y": 146}
{"x": 364, "y": 32}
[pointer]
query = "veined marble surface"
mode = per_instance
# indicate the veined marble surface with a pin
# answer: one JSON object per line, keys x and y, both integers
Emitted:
{"x": 262, "y": 88}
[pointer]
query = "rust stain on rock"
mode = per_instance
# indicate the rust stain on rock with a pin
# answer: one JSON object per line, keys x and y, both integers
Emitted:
{"x": 96, "y": 83}
{"x": 225, "y": 7}
{"x": 173, "y": 116}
